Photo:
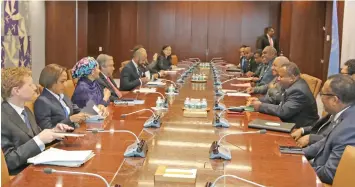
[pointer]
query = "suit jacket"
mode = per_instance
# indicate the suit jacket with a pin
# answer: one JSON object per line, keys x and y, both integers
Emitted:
{"x": 130, "y": 77}
{"x": 266, "y": 75}
{"x": 263, "y": 41}
{"x": 16, "y": 139}
{"x": 318, "y": 130}
{"x": 327, "y": 152}
{"x": 273, "y": 92}
{"x": 244, "y": 64}
{"x": 297, "y": 105}
{"x": 252, "y": 65}
{"x": 105, "y": 84}
{"x": 163, "y": 63}
{"x": 48, "y": 110}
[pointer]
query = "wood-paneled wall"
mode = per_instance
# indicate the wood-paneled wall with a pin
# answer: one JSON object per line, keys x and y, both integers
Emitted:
{"x": 191, "y": 28}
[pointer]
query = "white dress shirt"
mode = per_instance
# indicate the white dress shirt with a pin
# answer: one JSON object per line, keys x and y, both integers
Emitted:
{"x": 135, "y": 65}
{"x": 19, "y": 110}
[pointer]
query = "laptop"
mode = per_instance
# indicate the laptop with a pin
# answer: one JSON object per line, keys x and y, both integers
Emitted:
{"x": 271, "y": 125}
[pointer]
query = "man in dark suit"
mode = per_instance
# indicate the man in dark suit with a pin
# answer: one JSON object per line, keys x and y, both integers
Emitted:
{"x": 309, "y": 135}
{"x": 107, "y": 67}
{"x": 297, "y": 102}
{"x": 21, "y": 138}
{"x": 349, "y": 68}
{"x": 338, "y": 99}
{"x": 268, "y": 39}
{"x": 132, "y": 75}
{"x": 52, "y": 106}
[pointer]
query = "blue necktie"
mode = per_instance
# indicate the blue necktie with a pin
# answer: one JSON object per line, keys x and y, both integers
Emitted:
{"x": 65, "y": 110}
{"x": 24, "y": 113}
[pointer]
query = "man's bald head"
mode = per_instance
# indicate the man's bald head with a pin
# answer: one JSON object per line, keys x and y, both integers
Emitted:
{"x": 139, "y": 55}
{"x": 269, "y": 53}
{"x": 279, "y": 61}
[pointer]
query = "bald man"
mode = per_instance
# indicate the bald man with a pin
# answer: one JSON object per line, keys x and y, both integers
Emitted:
{"x": 268, "y": 57}
{"x": 132, "y": 76}
{"x": 273, "y": 90}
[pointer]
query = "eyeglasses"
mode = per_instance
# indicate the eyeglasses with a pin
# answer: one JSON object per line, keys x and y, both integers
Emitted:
{"x": 327, "y": 94}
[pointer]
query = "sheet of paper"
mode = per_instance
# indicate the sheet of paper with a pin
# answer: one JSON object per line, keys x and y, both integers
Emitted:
{"x": 72, "y": 134}
{"x": 145, "y": 90}
{"x": 139, "y": 102}
{"x": 238, "y": 94}
{"x": 158, "y": 83}
{"x": 147, "y": 74}
{"x": 244, "y": 79}
{"x": 242, "y": 85}
{"x": 228, "y": 91}
{"x": 170, "y": 72}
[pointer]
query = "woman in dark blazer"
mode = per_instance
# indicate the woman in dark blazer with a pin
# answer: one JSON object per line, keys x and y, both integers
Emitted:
{"x": 52, "y": 106}
{"x": 164, "y": 60}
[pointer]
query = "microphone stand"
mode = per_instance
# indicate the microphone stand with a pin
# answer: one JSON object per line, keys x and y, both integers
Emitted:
{"x": 153, "y": 121}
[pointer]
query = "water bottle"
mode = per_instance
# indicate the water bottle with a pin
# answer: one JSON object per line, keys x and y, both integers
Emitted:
{"x": 171, "y": 89}
{"x": 204, "y": 104}
{"x": 193, "y": 77}
{"x": 192, "y": 104}
{"x": 187, "y": 103}
{"x": 159, "y": 103}
{"x": 198, "y": 104}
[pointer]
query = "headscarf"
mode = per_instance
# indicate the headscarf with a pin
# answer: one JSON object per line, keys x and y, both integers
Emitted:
{"x": 84, "y": 67}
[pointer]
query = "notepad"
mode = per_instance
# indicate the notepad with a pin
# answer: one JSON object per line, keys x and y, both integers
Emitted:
{"x": 156, "y": 83}
{"x": 242, "y": 85}
{"x": 59, "y": 157}
{"x": 145, "y": 90}
{"x": 71, "y": 134}
{"x": 238, "y": 94}
{"x": 244, "y": 79}
{"x": 95, "y": 119}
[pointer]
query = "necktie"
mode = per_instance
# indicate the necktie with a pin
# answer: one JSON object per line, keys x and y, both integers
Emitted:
{"x": 271, "y": 42}
{"x": 24, "y": 113}
{"x": 118, "y": 93}
{"x": 61, "y": 101}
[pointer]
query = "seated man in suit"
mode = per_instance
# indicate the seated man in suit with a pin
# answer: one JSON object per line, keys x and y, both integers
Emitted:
{"x": 268, "y": 57}
{"x": 297, "y": 102}
{"x": 273, "y": 90}
{"x": 245, "y": 59}
{"x": 309, "y": 135}
{"x": 241, "y": 55}
{"x": 132, "y": 74}
{"x": 338, "y": 99}
{"x": 21, "y": 137}
{"x": 107, "y": 66}
{"x": 52, "y": 106}
{"x": 349, "y": 68}
{"x": 259, "y": 64}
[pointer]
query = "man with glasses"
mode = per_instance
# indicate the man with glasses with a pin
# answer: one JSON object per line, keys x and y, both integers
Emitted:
{"x": 297, "y": 102}
{"x": 338, "y": 99}
{"x": 349, "y": 68}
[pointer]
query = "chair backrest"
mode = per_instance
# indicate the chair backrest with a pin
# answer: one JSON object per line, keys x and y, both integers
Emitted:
{"x": 30, "y": 104}
{"x": 344, "y": 175}
{"x": 69, "y": 88}
{"x": 5, "y": 177}
{"x": 174, "y": 59}
{"x": 313, "y": 83}
{"x": 123, "y": 64}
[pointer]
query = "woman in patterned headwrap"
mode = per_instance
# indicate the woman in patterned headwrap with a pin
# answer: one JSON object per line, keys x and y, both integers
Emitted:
{"x": 87, "y": 71}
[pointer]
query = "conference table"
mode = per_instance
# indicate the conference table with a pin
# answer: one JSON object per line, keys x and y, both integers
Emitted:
{"x": 181, "y": 142}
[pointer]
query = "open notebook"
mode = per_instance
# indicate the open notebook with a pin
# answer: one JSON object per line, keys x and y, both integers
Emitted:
{"x": 59, "y": 157}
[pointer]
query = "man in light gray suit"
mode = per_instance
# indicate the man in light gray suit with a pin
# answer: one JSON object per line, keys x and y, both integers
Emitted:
{"x": 297, "y": 102}
{"x": 21, "y": 137}
{"x": 338, "y": 98}
{"x": 266, "y": 76}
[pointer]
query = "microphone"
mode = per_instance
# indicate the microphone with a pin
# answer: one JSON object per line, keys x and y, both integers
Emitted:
{"x": 175, "y": 87}
{"x": 209, "y": 184}
{"x": 217, "y": 151}
{"x": 51, "y": 171}
{"x": 216, "y": 58}
{"x": 222, "y": 122}
{"x": 218, "y": 105}
{"x": 138, "y": 149}
{"x": 197, "y": 59}
{"x": 153, "y": 121}
{"x": 217, "y": 91}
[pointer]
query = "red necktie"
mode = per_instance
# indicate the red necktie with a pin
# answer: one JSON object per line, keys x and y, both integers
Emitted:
{"x": 118, "y": 93}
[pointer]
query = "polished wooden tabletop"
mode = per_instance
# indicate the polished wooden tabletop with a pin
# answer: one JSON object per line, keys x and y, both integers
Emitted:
{"x": 180, "y": 142}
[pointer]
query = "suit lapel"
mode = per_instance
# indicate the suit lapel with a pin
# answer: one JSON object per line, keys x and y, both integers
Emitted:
{"x": 135, "y": 70}
{"x": 54, "y": 100}
{"x": 17, "y": 120}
